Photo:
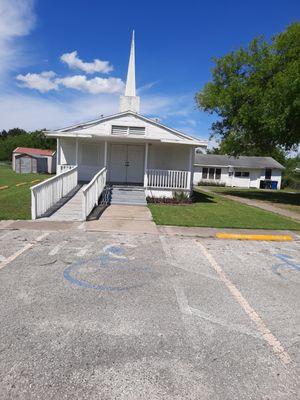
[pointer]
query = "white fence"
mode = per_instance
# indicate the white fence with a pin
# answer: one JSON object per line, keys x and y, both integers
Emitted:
{"x": 92, "y": 192}
{"x": 168, "y": 179}
{"x": 45, "y": 194}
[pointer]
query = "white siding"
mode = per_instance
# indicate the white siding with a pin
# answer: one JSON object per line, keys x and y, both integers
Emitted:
{"x": 68, "y": 151}
{"x": 276, "y": 176}
{"x": 256, "y": 175}
{"x": 152, "y": 131}
{"x": 90, "y": 159}
{"x": 198, "y": 175}
{"x": 168, "y": 157}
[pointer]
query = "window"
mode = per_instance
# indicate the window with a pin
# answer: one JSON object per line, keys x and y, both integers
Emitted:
{"x": 211, "y": 173}
{"x": 245, "y": 174}
{"x": 127, "y": 130}
{"x": 242, "y": 174}
{"x": 268, "y": 173}
{"x": 204, "y": 173}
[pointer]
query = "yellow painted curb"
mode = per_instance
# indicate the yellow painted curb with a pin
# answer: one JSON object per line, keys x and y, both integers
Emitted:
{"x": 21, "y": 184}
{"x": 3, "y": 187}
{"x": 241, "y": 236}
{"x": 36, "y": 180}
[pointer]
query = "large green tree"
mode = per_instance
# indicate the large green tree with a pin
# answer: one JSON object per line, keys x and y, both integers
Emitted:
{"x": 255, "y": 92}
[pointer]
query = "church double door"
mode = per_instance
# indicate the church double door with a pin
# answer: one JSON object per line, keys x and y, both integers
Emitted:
{"x": 126, "y": 163}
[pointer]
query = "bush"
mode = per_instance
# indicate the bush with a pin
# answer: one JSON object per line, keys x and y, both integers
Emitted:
{"x": 178, "y": 198}
{"x": 291, "y": 181}
{"x": 211, "y": 183}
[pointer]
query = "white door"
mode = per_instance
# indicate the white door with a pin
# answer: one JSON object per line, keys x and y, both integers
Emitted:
{"x": 135, "y": 164}
{"x": 126, "y": 163}
{"x": 118, "y": 159}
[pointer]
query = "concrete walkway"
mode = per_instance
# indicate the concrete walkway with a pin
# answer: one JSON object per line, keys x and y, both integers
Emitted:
{"x": 123, "y": 218}
{"x": 256, "y": 203}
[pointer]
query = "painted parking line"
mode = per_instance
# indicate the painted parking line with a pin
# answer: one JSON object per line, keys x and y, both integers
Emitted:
{"x": 241, "y": 236}
{"x": 261, "y": 327}
{"x": 22, "y": 250}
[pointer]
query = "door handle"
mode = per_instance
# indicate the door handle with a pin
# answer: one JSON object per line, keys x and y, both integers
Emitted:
{"x": 126, "y": 164}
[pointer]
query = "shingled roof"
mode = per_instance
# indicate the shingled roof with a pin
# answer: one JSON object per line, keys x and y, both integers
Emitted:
{"x": 241, "y": 161}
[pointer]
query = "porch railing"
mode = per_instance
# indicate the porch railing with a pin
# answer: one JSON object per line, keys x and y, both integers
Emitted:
{"x": 168, "y": 179}
{"x": 45, "y": 194}
{"x": 92, "y": 192}
{"x": 64, "y": 167}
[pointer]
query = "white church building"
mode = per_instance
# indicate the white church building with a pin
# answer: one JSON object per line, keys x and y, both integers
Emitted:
{"x": 126, "y": 148}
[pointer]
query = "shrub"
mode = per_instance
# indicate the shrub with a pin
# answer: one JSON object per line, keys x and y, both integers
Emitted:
{"x": 211, "y": 183}
{"x": 178, "y": 198}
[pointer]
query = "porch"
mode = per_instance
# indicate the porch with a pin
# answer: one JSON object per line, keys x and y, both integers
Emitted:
{"x": 101, "y": 163}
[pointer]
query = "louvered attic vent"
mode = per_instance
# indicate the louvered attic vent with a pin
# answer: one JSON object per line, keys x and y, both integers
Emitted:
{"x": 127, "y": 130}
{"x": 136, "y": 130}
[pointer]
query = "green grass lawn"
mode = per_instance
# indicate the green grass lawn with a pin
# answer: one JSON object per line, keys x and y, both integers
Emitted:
{"x": 285, "y": 199}
{"x": 211, "y": 210}
{"x": 15, "y": 200}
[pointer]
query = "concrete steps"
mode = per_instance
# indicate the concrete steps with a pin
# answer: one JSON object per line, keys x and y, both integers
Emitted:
{"x": 128, "y": 195}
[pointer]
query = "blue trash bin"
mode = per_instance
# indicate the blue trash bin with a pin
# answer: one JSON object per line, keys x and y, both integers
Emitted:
{"x": 274, "y": 185}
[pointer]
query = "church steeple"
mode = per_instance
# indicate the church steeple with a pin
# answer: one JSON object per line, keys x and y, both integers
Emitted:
{"x": 130, "y": 102}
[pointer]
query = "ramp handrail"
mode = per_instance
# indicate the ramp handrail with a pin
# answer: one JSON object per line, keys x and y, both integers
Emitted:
{"x": 92, "y": 192}
{"x": 45, "y": 194}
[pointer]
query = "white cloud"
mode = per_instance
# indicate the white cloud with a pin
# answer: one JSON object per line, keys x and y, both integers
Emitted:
{"x": 95, "y": 86}
{"x": 74, "y": 62}
{"x": 16, "y": 20}
{"x": 43, "y": 82}
{"x": 47, "y": 81}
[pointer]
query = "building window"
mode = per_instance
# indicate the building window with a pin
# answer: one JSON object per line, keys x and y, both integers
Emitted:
{"x": 211, "y": 173}
{"x": 245, "y": 174}
{"x": 268, "y": 173}
{"x": 127, "y": 130}
{"x": 204, "y": 173}
{"x": 242, "y": 174}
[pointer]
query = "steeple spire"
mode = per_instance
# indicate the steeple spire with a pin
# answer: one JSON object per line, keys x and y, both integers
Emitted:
{"x": 130, "y": 102}
{"x": 130, "y": 82}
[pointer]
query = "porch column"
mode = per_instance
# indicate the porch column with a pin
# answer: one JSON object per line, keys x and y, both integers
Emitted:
{"x": 191, "y": 158}
{"x": 57, "y": 156}
{"x": 76, "y": 159}
{"x": 146, "y": 165}
{"x": 105, "y": 153}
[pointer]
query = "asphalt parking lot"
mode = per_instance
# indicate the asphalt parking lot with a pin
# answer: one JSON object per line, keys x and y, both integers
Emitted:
{"x": 93, "y": 315}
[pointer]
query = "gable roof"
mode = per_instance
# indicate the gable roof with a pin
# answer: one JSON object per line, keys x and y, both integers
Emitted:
{"x": 84, "y": 129}
{"x": 32, "y": 151}
{"x": 241, "y": 161}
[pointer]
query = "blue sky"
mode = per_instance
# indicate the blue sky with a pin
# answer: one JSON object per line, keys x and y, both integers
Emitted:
{"x": 44, "y": 84}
